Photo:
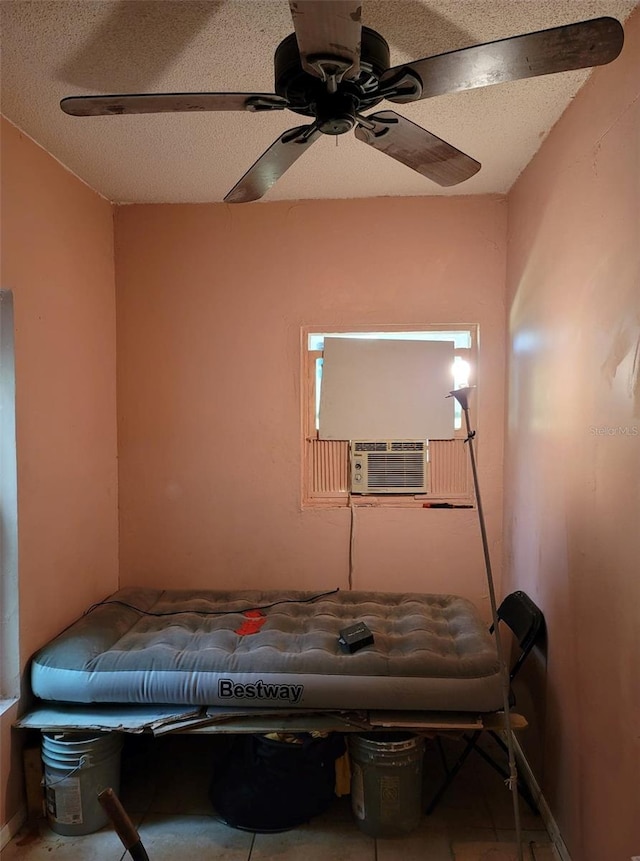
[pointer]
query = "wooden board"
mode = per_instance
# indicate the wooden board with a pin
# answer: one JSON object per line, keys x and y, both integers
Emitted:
{"x": 161, "y": 720}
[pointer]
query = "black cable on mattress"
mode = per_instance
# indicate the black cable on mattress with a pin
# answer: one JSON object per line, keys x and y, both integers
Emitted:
{"x": 210, "y": 612}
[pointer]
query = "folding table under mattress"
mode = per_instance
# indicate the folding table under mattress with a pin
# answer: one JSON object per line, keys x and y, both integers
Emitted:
{"x": 274, "y": 649}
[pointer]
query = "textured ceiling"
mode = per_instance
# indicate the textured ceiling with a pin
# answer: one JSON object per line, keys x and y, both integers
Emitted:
{"x": 56, "y": 49}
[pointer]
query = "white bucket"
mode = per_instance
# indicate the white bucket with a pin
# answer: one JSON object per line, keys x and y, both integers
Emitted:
{"x": 77, "y": 766}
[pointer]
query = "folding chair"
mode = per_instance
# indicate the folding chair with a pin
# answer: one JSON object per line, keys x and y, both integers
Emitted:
{"x": 526, "y": 621}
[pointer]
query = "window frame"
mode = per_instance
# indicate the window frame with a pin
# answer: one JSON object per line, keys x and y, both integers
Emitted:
{"x": 313, "y": 498}
{"x": 9, "y": 593}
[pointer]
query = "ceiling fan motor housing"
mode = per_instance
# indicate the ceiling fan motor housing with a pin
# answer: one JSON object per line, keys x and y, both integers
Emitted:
{"x": 308, "y": 95}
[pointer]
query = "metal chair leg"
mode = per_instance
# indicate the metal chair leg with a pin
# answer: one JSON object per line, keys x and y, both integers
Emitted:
{"x": 523, "y": 789}
{"x": 451, "y": 773}
{"x": 471, "y": 744}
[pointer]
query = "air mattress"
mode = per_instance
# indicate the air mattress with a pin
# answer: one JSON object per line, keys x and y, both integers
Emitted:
{"x": 274, "y": 649}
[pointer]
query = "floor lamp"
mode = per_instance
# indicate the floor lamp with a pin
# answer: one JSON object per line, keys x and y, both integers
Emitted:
{"x": 462, "y": 397}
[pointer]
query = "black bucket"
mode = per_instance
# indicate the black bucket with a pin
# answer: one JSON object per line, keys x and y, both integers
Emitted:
{"x": 265, "y": 784}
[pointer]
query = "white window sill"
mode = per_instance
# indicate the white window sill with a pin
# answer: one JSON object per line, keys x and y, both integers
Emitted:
{"x": 6, "y": 705}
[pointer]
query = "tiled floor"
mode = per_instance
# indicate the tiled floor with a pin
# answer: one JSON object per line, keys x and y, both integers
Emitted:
{"x": 164, "y": 790}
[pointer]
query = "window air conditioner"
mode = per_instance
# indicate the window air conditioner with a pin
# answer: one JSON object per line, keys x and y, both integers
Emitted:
{"x": 389, "y": 466}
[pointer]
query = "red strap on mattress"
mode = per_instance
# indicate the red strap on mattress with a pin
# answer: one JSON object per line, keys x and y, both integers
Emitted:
{"x": 255, "y": 619}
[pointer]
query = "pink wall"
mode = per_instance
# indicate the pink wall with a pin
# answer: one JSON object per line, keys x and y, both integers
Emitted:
{"x": 572, "y": 502}
{"x": 211, "y": 300}
{"x": 57, "y": 258}
{"x": 210, "y": 303}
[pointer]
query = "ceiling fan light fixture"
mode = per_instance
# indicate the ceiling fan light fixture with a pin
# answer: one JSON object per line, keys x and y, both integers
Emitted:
{"x": 335, "y": 113}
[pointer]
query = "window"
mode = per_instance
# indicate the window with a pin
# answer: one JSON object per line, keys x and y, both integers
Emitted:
{"x": 9, "y": 652}
{"x": 326, "y": 462}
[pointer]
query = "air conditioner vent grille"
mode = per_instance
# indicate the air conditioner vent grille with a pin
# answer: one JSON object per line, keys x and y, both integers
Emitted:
{"x": 412, "y": 445}
{"x": 389, "y": 466}
{"x": 400, "y": 469}
{"x": 370, "y": 446}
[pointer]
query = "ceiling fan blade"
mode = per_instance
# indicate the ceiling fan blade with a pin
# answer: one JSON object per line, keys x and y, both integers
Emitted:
{"x": 154, "y": 103}
{"x": 560, "y": 49}
{"x": 273, "y": 163}
{"x": 417, "y": 148}
{"x": 328, "y": 34}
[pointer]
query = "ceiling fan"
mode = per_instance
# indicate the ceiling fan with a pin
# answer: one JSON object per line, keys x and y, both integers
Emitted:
{"x": 332, "y": 69}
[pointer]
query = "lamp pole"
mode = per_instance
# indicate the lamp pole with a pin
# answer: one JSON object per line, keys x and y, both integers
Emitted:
{"x": 462, "y": 397}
